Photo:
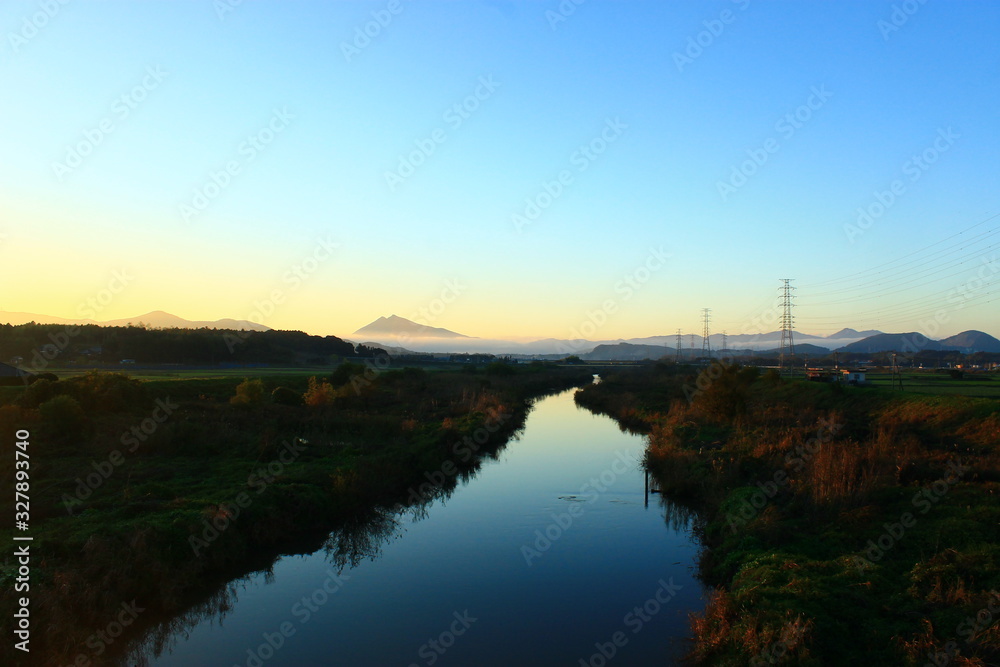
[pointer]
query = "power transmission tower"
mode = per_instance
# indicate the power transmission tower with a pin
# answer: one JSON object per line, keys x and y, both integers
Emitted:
{"x": 706, "y": 347}
{"x": 679, "y": 343}
{"x": 723, "y": 343}
{"x": 787, "y": 342}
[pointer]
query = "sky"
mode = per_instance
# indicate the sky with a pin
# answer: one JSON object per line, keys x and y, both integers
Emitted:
{"x": 503, "y": 169}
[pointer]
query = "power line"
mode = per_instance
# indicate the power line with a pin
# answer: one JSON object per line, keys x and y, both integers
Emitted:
{"x": 915, "y": 252}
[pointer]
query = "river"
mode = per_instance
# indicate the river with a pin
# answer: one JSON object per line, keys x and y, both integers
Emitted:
{"x": 548, "y": 556}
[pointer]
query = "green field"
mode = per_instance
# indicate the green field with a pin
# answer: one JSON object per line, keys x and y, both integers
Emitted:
{"x": 980, "y": 385}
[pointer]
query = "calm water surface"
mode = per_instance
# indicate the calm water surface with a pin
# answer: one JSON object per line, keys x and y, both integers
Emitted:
{"x": 546, "y": 557}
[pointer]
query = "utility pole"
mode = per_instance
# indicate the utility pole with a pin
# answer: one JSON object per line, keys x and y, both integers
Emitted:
{"x": 896, "y": 373}
{"x": 787, "y": 342}
{"x": 706, "y": 346}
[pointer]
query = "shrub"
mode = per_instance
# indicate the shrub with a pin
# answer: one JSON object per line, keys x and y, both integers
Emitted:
{"x": 249, "y": 392}
{"x": 37, "y": 393}
{"x": 64, "y": 417}
{"x": 106, "y": 392}
{"x": 319, "y": 393}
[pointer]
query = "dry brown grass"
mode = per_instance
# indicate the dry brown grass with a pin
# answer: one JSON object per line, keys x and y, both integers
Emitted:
{"x": 723, "y": 630}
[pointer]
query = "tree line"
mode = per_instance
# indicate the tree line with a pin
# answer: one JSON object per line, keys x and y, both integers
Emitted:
{"x": 34, "y": 346}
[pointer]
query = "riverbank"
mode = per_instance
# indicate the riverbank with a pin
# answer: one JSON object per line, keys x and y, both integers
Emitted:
{"x": 142, "y": 493}
{"x": 841, "y": 524}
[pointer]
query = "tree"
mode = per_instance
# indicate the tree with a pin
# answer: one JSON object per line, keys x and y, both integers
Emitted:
{"x": 319, "y": 393}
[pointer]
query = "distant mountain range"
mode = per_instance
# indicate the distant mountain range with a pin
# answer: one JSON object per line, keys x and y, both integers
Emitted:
{"x": 967, "y": 341}
{"x": 400, "y": 335}
{"x": 156, "y": 319}
{"x": 399, "y": 332}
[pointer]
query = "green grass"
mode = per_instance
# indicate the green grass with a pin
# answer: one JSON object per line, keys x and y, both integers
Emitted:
{"x": 167, "y": 372}
{"x": 129, "y": 538}
{"x": 979, "y": 385}
{"x": 788, "y": 573}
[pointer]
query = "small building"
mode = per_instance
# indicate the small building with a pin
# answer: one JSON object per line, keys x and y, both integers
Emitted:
{"x": 853, "y": 376}
{"x": 819, "y": 375}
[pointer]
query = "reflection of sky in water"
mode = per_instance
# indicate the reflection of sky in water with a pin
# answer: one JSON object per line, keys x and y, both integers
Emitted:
{"x": 469, "y": 552}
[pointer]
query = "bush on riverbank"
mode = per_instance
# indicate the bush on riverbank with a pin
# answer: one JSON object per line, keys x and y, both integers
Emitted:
{"x": 171, "y": 485}
{"x": 841, "y": 524}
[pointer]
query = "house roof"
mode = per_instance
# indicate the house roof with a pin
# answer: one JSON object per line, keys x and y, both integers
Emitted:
{"x": 6, "y": 370}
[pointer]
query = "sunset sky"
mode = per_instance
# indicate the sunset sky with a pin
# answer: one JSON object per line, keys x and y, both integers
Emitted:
{"x": 508, "y": 169}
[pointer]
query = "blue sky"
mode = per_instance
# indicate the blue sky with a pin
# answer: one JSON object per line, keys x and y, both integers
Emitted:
{"x": 688, "y": 111}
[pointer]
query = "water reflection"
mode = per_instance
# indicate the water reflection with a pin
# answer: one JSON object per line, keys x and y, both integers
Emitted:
{"x": 466, "y": 554}
{"x": 355, "y": 540}
{"x": 362, "y": 538}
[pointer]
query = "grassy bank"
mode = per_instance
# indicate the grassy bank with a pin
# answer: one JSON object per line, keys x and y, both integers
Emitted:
{"x": 150, "y": 491}
{"x": 842, "y": 525}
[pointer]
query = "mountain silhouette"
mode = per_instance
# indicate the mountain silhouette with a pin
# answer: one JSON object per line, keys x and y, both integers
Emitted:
{"x": 400, "y": 327}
